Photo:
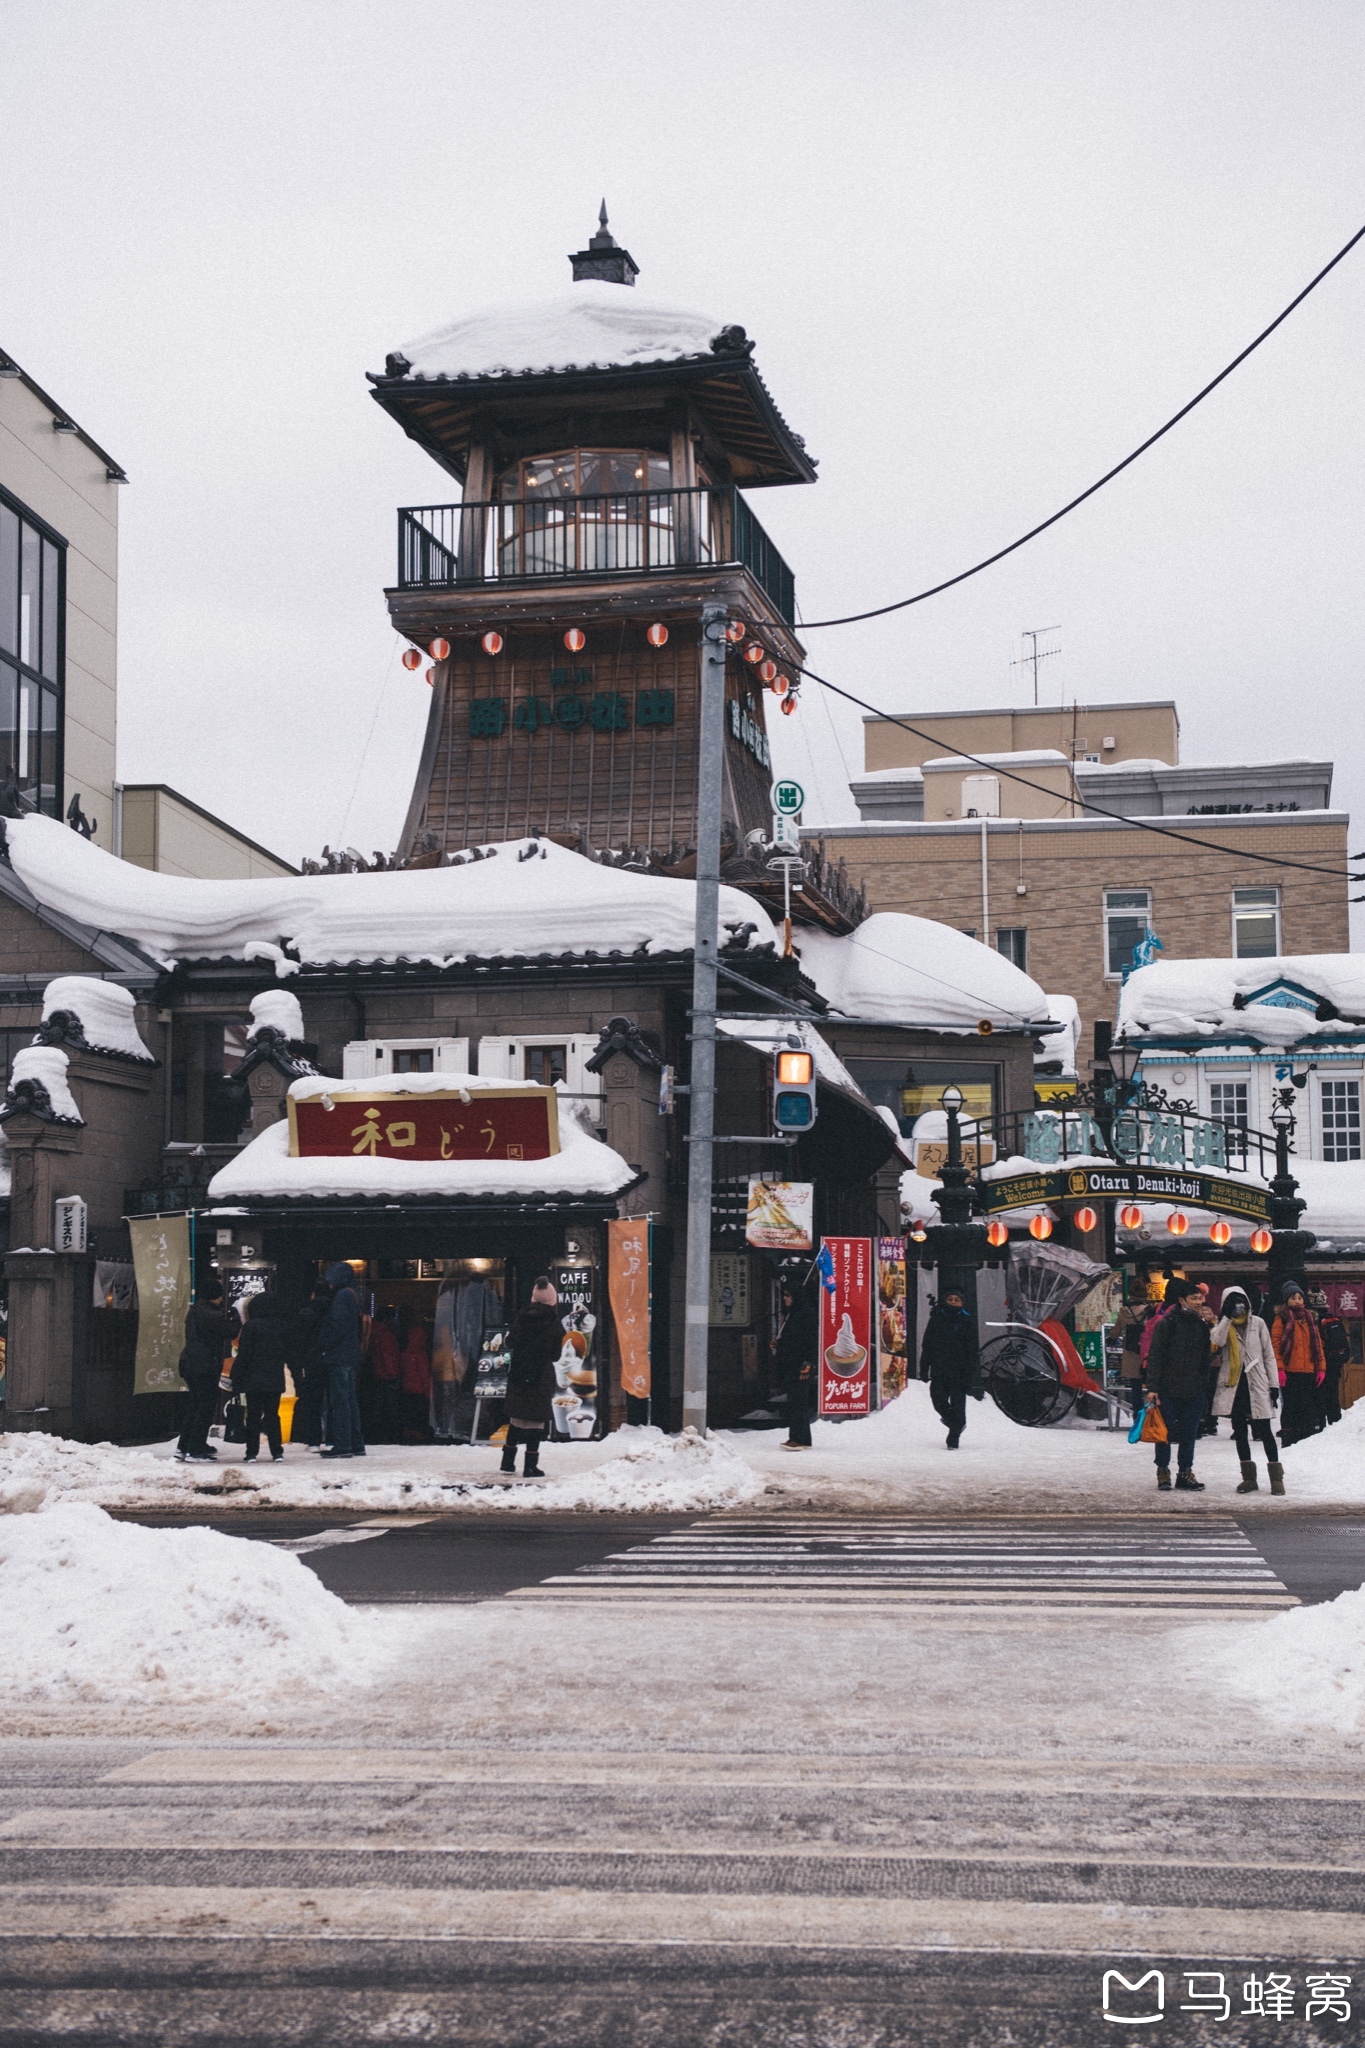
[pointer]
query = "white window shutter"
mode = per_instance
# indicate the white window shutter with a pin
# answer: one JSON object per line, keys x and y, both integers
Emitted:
{"x": 358, "y": 1062}
{"x": 497, "y": 1059}
{"x": 452, "y": 1056}
{"x": 580, "y": 1082}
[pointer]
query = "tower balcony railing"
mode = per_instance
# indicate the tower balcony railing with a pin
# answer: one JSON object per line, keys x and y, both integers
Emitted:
{"x": 621, "y": 533}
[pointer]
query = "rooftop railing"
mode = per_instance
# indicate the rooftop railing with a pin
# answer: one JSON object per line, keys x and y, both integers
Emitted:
{"x": 625, "y": 533}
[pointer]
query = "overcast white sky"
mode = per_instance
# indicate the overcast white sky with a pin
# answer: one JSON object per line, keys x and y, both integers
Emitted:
{"x": 984, "y": 249}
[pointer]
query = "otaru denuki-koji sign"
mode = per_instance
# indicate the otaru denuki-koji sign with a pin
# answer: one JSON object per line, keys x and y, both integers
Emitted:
{"x": 379, "y": 1123}
{"x": 1127, "y": 1184}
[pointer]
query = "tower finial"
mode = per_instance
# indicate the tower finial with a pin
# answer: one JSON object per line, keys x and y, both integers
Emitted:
{"x": 602, "y": 215}
{"x": 604, "y": 259}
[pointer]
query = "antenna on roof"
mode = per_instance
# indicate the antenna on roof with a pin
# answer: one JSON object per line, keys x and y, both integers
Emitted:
{"x": 604, "y": 259}
{"x": 1033, "y": 634}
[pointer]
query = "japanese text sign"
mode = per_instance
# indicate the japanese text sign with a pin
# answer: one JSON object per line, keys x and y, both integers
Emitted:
{"x": 846, "y": 1328}
{"x": 376, "y": 1123}
{"x": 628, "y": 1288}
{"x": 161, "y": 1260}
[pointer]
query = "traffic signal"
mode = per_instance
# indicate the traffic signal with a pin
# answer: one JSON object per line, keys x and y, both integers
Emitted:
{"x": 794, "y": 1091}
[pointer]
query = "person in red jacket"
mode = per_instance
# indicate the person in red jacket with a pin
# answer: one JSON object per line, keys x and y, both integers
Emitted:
{"x": 1303, "y": 1365}
{"x": 414, "y": 1378}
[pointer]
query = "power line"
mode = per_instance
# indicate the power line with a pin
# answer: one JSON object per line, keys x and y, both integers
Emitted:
{"x": 880, "y": 611}
{"x": 1138, "y": 823}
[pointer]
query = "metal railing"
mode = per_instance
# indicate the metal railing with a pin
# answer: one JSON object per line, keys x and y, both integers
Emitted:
{"x": 1143, "y": 1135}
{"x": 619, "y": 533}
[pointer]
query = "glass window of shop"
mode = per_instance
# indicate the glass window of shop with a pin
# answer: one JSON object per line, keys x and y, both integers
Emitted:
{"x": 32, "y": 655}
{"x": 909, "y": 1091}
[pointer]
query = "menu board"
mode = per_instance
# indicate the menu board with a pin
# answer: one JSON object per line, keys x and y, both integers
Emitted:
{"x": 574, "y": 1404}
{"x": 892, "y": 1358}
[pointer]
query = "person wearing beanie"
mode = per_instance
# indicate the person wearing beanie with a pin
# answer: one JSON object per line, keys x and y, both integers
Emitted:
{"x": 1177, "y": 1373}
{"x": 1302, "y": 1364}
{"x": 1248, "y": 1385}
{"x": 1336, "y": 1351}
{"x": 536, "y": 1336}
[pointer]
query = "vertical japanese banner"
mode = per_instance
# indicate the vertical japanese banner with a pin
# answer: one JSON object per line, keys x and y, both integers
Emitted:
{"x": 846, "y": 1328}
{"x": 891, "y": 1332}
{"x": 161, "y": 1262}
{"x": 628, "y": 1289}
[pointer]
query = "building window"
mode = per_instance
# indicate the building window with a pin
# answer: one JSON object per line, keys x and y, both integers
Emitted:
{"x": 1127, "y": 920}
{"x": 546, "y": 1064}
{"x": 1228, "y": 1103}
{"x": 1012, "y": 941}
{"x": 1340, "y": 1102}
{"x": 32, "y": 654}
{"x": 1255, "y": 924}
{"x": 414, "y": 1060}
{"x": 910, "y": 1091}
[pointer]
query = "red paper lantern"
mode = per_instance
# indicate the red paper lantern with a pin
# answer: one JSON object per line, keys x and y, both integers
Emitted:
{"x": 1040, "y": 1227}
{"x": 788, "y": 705}
{"x": 412, "y": 657}
{"x": 657, "y": 636}
{"x": 1261, "y": 1240}
{"x": 439, "y": 649}
{"x": 919, "y": 1234}
{"x": 431, "y": 677}
{"x": 491, "y": 643}
{"x": 781, "y": 687}
{"x": 754, "y": 651}
{"x": 735, "y": 631}
{"x": 1177, "y": 1224}
{"x": 1220, "y": 1231}
{"x": 575, "y": 640}
{"x": 1085, "y": 1219}
{"x": 767, "y": 671}
{"x": 1130, "y": 1216}
{"x": 997, "y": 1233}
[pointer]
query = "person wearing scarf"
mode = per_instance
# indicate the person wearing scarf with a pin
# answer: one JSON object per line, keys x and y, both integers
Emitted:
{"x": 1303, "y": 1367}
{"x": 1247, "y": 1385}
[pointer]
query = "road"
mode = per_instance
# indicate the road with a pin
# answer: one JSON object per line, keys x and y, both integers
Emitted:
{"x": 728, "y": 1781}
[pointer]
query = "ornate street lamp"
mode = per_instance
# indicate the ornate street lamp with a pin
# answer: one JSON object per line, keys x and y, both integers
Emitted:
{"x": 1290, "y": 1245}
{"x": 957, "y": 1246}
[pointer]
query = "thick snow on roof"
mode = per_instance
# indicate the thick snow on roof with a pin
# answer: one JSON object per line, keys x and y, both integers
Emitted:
{"x": 1195, "y": 998}
{"x": 900, "y": 969}
{"x": 107, "y": 1013}
{"x": 1063, "y": 1044}
{"x": 276, "y": 1009}
{"x": 1033, "y": 757}
{"x": 264, "y": 1169}
{"x": 593, "y": 326}
{"x": 47, "y": 1065}
{"x": 527, "y": 897}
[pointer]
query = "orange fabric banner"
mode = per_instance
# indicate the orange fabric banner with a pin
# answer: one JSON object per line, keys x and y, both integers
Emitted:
{"x": 628, "y": 1287}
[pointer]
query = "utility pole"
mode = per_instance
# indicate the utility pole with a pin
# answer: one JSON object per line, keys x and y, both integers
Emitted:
{"x": 705, "y": 944}
{"x": 1033, "y": 635}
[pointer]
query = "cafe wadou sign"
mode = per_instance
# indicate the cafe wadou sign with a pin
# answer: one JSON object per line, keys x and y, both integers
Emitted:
{"x": 447, "y": 1123}
{"x": 1127, "y": 1184}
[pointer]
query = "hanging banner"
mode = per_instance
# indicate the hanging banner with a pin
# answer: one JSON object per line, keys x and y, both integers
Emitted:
{"x": 781, "y": 1215}
{"x": 846, "y": 1328}
{"x": 390, "y": 1123}
{"x": 161, "y": 1262}
{"x": 573, "y": 1405}
{"x": 891, "y": 1333}
{"x": 628, "y": 1290}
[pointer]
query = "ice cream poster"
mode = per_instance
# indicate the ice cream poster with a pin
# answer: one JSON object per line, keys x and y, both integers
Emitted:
{"x": 846, "y": 1328}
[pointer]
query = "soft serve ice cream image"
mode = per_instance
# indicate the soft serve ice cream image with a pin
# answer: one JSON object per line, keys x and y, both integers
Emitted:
{"x": 845, "y": 1356}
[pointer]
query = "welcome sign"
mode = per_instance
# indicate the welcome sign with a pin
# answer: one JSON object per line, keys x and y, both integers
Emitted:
{"x": 391, "y": 1123}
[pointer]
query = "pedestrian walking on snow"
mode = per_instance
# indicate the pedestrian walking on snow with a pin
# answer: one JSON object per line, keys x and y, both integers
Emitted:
{"x": 1178, "y": 1374}
{"x": 1302, "y": 1364}
{"x": 536, "y": 1339}
{"x": 1248, "y": 1385}
{"x": 794, "y": 1357}
{"x": 951, "y": 1362}
{"x": 209, "y": 1331}
{"x": 258, "y": 1373}
{"x": 339, "y": 1351}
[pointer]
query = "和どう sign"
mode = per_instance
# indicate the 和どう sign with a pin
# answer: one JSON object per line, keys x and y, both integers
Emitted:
{"x": 379, "y": 1123}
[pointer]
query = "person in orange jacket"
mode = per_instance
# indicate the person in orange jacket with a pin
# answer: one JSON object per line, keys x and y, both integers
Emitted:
{"x": 1303, "y": 1365}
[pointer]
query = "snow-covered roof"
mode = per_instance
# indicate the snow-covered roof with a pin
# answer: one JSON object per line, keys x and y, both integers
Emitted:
{"x": 107, "y": 1013}
{"x": 526, "y": 897}
{"x": 1063, "y": 1044}
{"x": 593, "y": 326}
{"x": 264, "y": 1171}
{"x": 1208, "y": 998}
{"x": 1034, "y": 757}
{"x": 44, "y": 1067}
{"x": 899, "y": 969}
{"x": 276, "y": 1009}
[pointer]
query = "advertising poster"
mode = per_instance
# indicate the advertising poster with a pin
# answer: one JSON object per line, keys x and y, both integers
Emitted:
{"x": 892, "y": 1362}
{"x": 731, "y": 1279}
{"x": 628, "y": 1290}
{"x": 573, "y": 1405}
{"x": 846, "y": 1327}
{"x": 161, "y": 1261}
{"x": 781, "y": 1215}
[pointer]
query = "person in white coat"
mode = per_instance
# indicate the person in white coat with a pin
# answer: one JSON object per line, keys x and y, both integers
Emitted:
{"x": 1248, "y": 1385}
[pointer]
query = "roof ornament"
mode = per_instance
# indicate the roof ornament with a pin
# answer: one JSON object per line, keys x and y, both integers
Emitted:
{"x": 604, "y": 260}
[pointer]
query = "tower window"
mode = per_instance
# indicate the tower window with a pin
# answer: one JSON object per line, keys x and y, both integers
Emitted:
{"x": 32, "y": 654}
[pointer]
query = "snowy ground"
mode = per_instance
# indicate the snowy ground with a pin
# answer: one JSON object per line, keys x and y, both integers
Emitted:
{"x": 895, "y": 1459}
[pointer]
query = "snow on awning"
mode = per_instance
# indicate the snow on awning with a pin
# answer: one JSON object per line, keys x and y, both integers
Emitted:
{"x": 899, "y": 969}
{"x": 594, "y": 326}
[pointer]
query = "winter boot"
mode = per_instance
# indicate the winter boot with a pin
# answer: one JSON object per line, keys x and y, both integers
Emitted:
{"x": 1163, "y": 1478}
{"x": 1276, "y": 1477}
{"x": 531, "y": 1465}
{"x": 1185, "y": 1482}
{"x": 1250, "y": 1483}
{"x": 509, "y": 1452}
{"x": 953, "y": 1440}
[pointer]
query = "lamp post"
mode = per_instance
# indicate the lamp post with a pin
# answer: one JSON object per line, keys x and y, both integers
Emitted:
{"x": 1124, "y": 1059}
{"x": 1289, "y": 1245}
{"x": 956, "y": 1245}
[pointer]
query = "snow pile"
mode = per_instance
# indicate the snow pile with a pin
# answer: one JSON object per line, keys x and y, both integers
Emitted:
{"x": 1064, "y": 1044}
{"x": 1196, "y": 998}
{"x": 651, "y": 1474}
{"x": 276, "y": 1009}
{"x": 107, "y": 1014}
{"x": 1303, "y": 1669}
{"x": 583, "y": 1165}
{"x": 909, "y": 970}
{"x": 524, "y": 897}
{"x": 103, "y": 1611}
{"x": 46, "y": 1065}
{"x": 592, "y": 327}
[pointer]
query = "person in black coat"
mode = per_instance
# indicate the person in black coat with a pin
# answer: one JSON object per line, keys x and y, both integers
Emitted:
{"x": 209, "y": 1331}
{"x": 794, "y": 1357}
{"x": 258, "y": 1373}
{"x": 536, "y": 1339}
{"x": 1336, "y": 1350}
{"x": 950, "y": 1361}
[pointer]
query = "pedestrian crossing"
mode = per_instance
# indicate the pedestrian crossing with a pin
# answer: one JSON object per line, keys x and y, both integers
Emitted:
{"x": 985, "y": 1564}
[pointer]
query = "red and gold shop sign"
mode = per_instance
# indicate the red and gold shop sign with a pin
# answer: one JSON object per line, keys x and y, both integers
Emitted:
{"x": 381, "y": 1123}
